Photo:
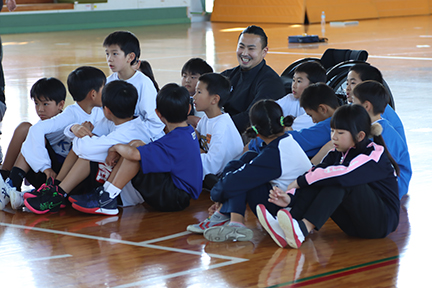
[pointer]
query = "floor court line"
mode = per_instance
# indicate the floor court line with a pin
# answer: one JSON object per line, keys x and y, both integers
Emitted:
{"x": 50, "y": 258}
{"x": 138, "y": 244}
{"x": 166, "y": 237}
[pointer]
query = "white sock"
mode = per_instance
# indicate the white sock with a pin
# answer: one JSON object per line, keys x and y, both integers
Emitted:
{"x": 111, "y": 189}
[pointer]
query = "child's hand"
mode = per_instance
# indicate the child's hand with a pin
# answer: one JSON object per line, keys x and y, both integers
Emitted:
{"x": 279, "y": 197}
{"x": 88, "y": 125}
{"x": 112, "y": 158}
{"x": 80, "y": 131}
{"x": 193, "y": 120}
{"x": 215, "y": 207}
{"x": 50, "y": 173}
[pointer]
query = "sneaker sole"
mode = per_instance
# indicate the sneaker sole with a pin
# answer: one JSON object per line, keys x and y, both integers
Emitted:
{"x": 261, "y": 214}
{"x": 15, "y": 200}
{"x": 286, "y": 222}
{"x": 34, "y": 210}
{"x": 96, "y": 210}
{"x": 224, "y": 233}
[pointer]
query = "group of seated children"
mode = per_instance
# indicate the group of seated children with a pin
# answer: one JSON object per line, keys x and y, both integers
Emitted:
{"x": 124, "y": 142}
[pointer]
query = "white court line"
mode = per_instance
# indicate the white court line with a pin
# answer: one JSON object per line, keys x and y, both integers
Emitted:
{"x": 164, "y": 277}
{"x": 166, "y": 237}
{"x": 122, "y": 242}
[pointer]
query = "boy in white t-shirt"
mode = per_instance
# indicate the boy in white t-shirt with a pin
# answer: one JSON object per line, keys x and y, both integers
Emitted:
{"x": 305, "y": 74}
{"x": 122, "y": 51}
{"x": 220, "y": 141}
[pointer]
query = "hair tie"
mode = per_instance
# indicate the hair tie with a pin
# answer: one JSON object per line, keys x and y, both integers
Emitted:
{"x": 255, "y": 129}
{"x": 376, "y": 129}
{"x": 282, "y": 121}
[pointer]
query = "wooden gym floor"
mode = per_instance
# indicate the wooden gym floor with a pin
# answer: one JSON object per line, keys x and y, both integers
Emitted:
{"x": 144, "y": 248}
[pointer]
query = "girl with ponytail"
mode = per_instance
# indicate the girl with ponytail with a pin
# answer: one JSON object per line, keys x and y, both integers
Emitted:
{"x": 248, "y": 179}
{"x": 355, "y": 185}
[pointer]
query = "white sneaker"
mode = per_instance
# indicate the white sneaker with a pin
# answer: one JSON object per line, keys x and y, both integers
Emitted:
{"x": 293, "y": 234}
{"x": 271, "y": 225}
{"x": 217, "y": 219}
{"x": 4, "y": 195}
{"x": 16, "y": 198}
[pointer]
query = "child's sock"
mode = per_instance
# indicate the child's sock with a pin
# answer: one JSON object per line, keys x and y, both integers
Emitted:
{"x": 57, "y": 182}
{"x": 16, "y": 176}
{"x": 5, "y": 174}
{"x": 236, "y": 224}
{"x": 111, "y": 189}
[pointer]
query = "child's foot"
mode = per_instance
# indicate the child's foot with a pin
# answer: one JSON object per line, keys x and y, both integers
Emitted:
{"x": 217, "y": 219}
{"x": 271, "y": 225}
{"x": 102, "y": 204}
{"x": 44, "y": 187}
{"x": 232, "y": 231}
{"x": 50, "y": 201}
{"x": 16, "y": 198}
{"x": 291, "y": 228}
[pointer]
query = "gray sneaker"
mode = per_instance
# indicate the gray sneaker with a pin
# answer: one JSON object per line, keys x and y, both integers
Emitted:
{"x": 224, "y": 233}
{"x": 216, "y": 220}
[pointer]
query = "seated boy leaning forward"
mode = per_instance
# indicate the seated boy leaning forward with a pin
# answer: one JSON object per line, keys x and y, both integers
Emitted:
{"x": 220, "y": 141}
{"x": 86, "y": 160}
{"x": 319, "y": 102}
{"x": 166, "y": 173}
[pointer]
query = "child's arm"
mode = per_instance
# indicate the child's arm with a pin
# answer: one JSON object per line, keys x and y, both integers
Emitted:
{"x": 279, "y": 197}
{"x": 82, "y": 130}
{"x": 322, "y": 153}
{"x": 126, "y": 151}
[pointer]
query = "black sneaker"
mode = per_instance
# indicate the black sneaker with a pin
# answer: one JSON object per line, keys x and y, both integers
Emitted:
{"x": 99, "y": 205}
{"x": 50, "y": 201}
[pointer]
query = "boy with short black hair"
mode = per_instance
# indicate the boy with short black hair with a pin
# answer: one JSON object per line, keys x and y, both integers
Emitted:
{"x": 122, "y": 51}
{"x": 191, "y": 71}
{"x": 305, "y": 74}
{"x": 49, "y": 96}
{"x": 166, "y": 173}
{"x": 85, "y": 85}
{"x": 119, "y": 126}
{"x": 220, "y": 141}
{"x": 373, "y": 97}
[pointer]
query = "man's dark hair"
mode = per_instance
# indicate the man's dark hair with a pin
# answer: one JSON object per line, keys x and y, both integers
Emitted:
{"x": 127, "y": 42}
{"x": 256, "y": 30}
{"x": 315, "y": 71}
{"x": 83, "y": 80}
{"x": 196, "y": 66}
{"x": 172, "y": 102}
{"x": 317, "y": 94}
{"x": 374, "y": 92}
{"x": 52, "y": 89}
{"x": 121, "y": 98}
{"x": 217, "y": 84}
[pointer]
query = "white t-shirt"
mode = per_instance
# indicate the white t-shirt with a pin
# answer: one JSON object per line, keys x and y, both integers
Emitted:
{"x": 302, "y": 122}
{"x": 33, "y": 148}
{"x": 146, "y": 104}
{"x": 222, "y": 140}
{"x": 290, "y": 105}
{"x": 95, "y": 148}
